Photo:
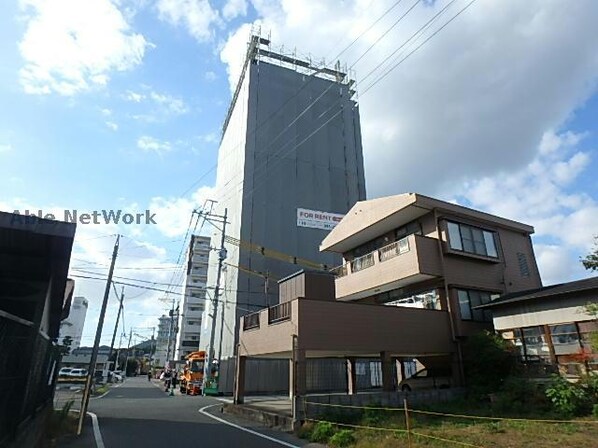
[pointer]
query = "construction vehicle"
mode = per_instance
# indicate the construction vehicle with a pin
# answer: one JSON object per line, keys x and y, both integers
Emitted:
{"x": 191, "y": 379}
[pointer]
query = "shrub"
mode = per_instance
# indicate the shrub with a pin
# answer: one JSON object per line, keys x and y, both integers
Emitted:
{"x": 342, "y": 438}
{"x": 373, "y": 417}
{"x": 305, "y": 431}
{"x": 322, "y": 432}
{"x": 568, "y": 398}
{"x": 595, "y": 411}
{"x": 520, "y": 396}
{"x": 488, "y": 361}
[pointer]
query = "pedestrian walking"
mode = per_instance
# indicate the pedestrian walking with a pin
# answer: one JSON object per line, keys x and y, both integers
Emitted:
{"x": 167, "y": 380}
{"x": 149, "y": 375}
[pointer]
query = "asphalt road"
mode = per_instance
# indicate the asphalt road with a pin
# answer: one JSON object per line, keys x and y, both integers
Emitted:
{"x": 140, "y": 414}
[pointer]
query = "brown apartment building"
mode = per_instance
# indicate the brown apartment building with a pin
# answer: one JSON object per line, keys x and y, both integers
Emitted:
{"x": 415, "y": 269}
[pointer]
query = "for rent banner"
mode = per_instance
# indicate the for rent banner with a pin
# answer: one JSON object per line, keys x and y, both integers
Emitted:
{"x": 317, "y": 220}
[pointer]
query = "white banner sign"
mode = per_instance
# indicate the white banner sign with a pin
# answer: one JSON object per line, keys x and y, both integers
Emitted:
{"x": 316, "y": 219}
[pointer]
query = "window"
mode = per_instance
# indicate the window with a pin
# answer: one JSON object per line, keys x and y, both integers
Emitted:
{"x": 196, "y": 308}
{"x": 469, "y": 299}
{"x": 471, "y": 240}
{"x": 565, "y": 339}
{"x": 428, "y": 300}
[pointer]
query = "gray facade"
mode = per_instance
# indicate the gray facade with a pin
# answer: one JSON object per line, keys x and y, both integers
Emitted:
{"x": 292, "y": 140}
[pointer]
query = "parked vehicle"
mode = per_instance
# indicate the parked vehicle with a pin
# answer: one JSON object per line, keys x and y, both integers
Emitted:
{"x": 116, "y": 376}
{"x": 64, "y": 371}
{"x": 427, "y": 379}
{"x": 78, "y": 373}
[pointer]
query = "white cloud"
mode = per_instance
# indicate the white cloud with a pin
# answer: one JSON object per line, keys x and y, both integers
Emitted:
{"x": 70, "y": 46}
{"x": 476, "y": 98}
{"x": 5, "y": 147}
{"x": 147, "y": 143}
{"x": 234, "y": 8}
{"x": 197, "y": 16}
{"x": 211, "y": 76}
{"x": 175, "y": 213}
{"x": 112, "y": 125}
{"x": 174, "y": 106}
{"x": 133, "y": 96}
{"x": 210, "y": 137}
{"x": 106, "y": 112}
{"x": 162, "y": 105}
{"x": 542, "y": 195}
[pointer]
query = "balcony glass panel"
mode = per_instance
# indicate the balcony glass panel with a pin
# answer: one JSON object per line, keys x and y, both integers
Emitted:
{"x": 362, "y": 263}
{"x": 394, "y": 249}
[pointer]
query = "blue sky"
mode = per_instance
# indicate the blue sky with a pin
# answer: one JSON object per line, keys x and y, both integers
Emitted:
{"x": 118, "y": 104}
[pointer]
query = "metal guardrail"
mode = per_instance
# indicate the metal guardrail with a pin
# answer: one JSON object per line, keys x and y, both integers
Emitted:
{"x": 251, "y": 321}
{"x": 279, "y": 313}
{"x": 340, "y": 271}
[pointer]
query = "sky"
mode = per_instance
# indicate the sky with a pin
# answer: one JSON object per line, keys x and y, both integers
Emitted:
{"x": 118, "y": 105}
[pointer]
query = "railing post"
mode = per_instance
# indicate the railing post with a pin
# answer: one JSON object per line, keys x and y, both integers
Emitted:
{"x": 407, "y": 426}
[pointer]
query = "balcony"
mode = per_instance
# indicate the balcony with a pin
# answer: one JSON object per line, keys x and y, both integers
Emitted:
{"x": 327, "y": 328}
{"x": 410, "y": 260}
{"x": 251, "y": 321}
{"x": 279, "y": 313}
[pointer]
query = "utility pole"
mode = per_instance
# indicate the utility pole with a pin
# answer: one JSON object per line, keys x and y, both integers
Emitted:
{"x": 221, "y": 258}
{"x": 152, "y": 348}
{"x": 170, "y": 331}
{"x": 128, "y": 350}
{"x": 120, "y": 344}
{"x": 122, "y": 298}
{"x": 96, "y": 345}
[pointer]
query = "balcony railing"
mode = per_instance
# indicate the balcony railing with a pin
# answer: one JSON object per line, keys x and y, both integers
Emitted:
{"x": 340, "y": 271}
{"x": 361, "y": 263}
{"x": 279, "y": 313}
{"x": 393, "y": 249}
{"x": 251, "y": 321}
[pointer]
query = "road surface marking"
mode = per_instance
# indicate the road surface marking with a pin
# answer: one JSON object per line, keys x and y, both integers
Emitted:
{"x": 96, "y": 430}
{"x": 255, "y": 433}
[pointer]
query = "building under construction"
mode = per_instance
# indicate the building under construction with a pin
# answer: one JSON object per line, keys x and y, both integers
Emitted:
{"x": 290, "y": 164}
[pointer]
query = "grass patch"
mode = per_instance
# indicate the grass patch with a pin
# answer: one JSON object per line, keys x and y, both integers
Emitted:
{"x": 61, "y": 423}
{"x": 101, "y": 390}
{"x": 481, "y": 433}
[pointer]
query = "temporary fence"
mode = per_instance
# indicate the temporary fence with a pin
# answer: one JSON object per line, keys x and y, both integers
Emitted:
{"x": 408, "y": 420}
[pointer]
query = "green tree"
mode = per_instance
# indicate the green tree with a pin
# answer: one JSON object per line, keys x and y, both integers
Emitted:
{"x": 489, "y": 359}
{"x": 65, "y": 347}
{"x": 590, "y": 261}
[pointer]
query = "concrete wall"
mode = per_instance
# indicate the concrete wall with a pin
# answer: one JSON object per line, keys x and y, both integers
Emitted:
{"x": 263, "y": 178}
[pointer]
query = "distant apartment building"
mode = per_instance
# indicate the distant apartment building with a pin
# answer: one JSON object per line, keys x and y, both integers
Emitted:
{"x": 162, "y": 339}
{"x": 193, "y": 304}
{"x": 415, "y": 270}
{"x": 72, "y": 326}
{"x": 290, "y": 164}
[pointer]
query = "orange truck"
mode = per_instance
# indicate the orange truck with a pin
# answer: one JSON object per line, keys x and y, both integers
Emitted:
{"x": 191, "y": 380}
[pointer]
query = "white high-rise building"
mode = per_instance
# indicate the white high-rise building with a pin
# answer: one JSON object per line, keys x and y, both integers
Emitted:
{"x": 193, "y": 304}
{"x": 162, "y": 341}
{"x": 72, "y": 326}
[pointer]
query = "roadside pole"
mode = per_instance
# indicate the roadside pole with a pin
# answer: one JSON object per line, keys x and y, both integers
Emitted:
{"x": 221, "y": 258}
{"x": 96, "y": 345}
{"x": 122, "y": 298}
